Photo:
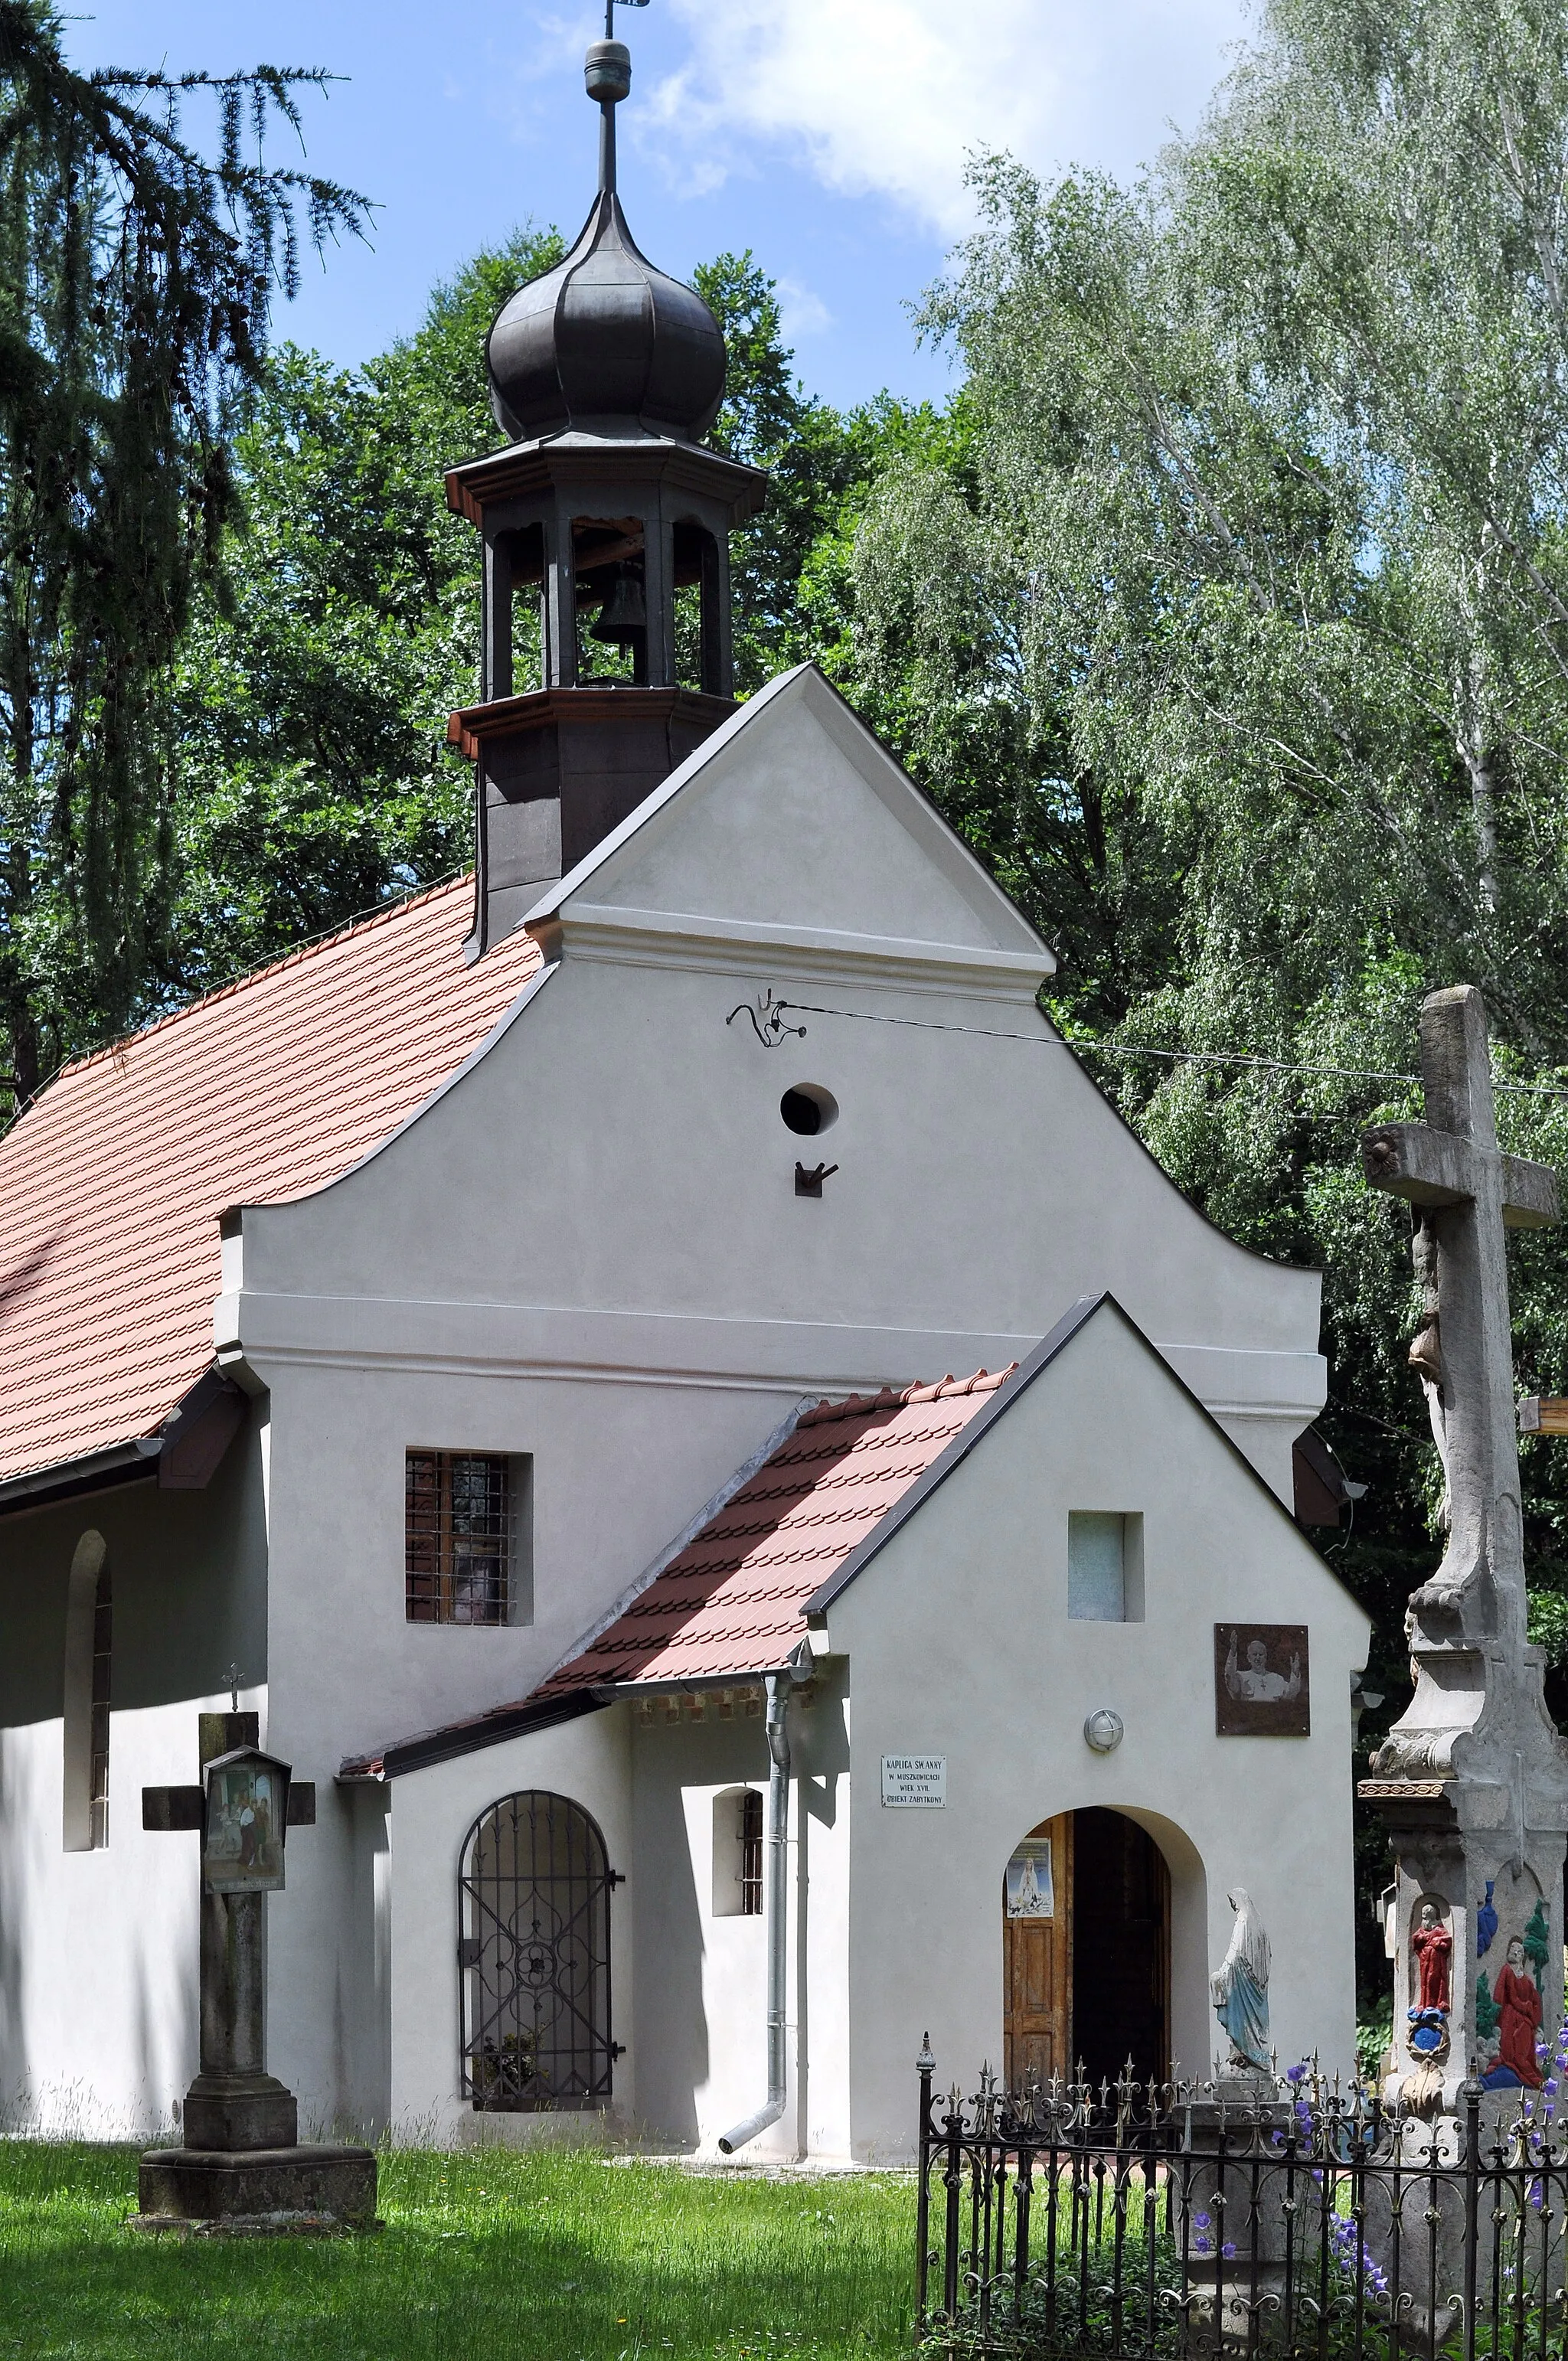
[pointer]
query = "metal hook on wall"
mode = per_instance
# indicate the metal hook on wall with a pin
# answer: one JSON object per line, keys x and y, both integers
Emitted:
{"x": 767, "y": 1015}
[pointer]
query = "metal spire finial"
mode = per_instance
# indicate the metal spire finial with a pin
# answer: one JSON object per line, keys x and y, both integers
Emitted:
{"x": 607, "y": 71}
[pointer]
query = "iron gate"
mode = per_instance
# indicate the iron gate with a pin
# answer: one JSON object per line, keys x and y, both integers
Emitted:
{"x": 534, "y": 1957}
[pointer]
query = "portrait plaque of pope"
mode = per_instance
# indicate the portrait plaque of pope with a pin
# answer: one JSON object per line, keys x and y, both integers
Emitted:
{"x": 1261, "y": 1686}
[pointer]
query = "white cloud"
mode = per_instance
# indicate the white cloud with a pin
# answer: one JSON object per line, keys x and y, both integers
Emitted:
{"x": 886, "y": 96}
{"x": 801, "y": 314}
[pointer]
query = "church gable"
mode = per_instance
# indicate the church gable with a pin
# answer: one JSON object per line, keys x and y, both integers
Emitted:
{"x": 793, "y": 816}
{"x": 1097, "y": 1423}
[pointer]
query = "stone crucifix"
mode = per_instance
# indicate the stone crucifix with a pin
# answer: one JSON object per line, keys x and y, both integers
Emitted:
{"x": 1472, "y": 1781}
{"x": 241, "y": 2161}
{"x": 233, "y": 2102}
{"x": 1466, "y": 1193}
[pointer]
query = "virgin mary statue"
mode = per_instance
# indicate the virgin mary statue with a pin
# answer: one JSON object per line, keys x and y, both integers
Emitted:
{"x": 1241, "y": 1987}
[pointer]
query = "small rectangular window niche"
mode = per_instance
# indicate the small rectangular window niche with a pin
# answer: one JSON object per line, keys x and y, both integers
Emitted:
{"x": 738, "y": 1853}
{"x": 1105, "y": 1567}
{"x": 468, "y": 1554}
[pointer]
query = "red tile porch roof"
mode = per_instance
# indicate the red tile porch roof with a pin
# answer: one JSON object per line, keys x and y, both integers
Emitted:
{"x": 112, "y": 1181}
{"x": 730, "y": 1603}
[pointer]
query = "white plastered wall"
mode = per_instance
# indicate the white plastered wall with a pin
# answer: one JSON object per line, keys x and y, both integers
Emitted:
{"x": 98, "y": 1947}
{"x": 702, "y": 1992}
{"x": 688, "y": 1985}
{"x": 960, "y": 1645}
{"x": 428, "y": 1816}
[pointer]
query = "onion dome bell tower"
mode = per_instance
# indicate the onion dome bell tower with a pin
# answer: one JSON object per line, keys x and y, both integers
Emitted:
{"x": 611, "y": 517}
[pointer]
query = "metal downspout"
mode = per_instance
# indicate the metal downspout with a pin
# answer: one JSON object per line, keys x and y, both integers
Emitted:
{"x": 778, "y": 1688}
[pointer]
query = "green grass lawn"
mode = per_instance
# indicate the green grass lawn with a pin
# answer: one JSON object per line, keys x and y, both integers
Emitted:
{"x": 555, "y": 2253}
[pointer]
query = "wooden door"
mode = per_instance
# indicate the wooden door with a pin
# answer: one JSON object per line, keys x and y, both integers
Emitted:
{"x": 1036, "y": 1973}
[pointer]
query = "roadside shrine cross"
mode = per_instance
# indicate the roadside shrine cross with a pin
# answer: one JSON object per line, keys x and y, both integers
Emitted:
{"x": 1465, "y": 1193}
{"x": 242, "y": 1808}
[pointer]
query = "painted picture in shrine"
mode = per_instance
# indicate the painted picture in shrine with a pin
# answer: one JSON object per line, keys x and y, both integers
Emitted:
{"x": 1508, "y": 2008}
{"x": 1261, "y": 1687}
{"x": 1030, "y": 1892}
{"x": 243, "y": 1851}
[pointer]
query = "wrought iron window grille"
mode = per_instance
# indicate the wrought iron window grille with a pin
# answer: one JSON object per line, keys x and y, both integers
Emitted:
{"x": 751, "y": 1836}
{"x": 459, "y": 1537}
{"x": 103, "y": 1666}
{"x": 533, "y": 1957}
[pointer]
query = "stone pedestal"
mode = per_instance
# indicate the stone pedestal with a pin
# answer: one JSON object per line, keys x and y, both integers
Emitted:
{"x": 267, "y": 2188}
{"x": 240, "y": 2112}
{"x": 1483, "y": 1851}
{"x": 1235, "y": 2231}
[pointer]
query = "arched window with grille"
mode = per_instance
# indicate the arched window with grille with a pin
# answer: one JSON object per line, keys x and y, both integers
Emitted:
{"x": 534, "y": 1957}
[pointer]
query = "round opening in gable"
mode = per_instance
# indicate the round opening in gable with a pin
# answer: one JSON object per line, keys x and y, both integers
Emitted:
{"x": 809, "y": 1109}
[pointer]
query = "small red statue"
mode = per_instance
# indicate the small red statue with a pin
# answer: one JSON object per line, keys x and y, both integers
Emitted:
{"x": 1433, "y": 1947}
{"x": 1518, "y": 2019}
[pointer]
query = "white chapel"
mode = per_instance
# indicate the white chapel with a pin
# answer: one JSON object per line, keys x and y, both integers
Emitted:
{"x": 661, "y": 1380}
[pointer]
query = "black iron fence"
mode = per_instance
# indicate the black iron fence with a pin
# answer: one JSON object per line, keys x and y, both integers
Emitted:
{"x": 1280, "y": 2218}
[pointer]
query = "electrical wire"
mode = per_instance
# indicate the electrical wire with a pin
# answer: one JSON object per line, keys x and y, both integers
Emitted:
{"x": 1173, "y": 1057}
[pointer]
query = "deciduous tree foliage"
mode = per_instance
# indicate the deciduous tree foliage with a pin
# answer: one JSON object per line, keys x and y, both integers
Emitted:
{"x": 1234, "y": 629}
{"x": 135, "y": 277}
{"x": 315, "y": 681}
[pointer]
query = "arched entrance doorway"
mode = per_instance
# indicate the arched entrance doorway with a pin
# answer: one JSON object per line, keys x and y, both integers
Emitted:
{"x": 1086, "y": 1951}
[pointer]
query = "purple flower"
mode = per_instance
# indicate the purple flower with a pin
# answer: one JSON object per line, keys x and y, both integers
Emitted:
{"x": 1199, "y": 2220}
{"x": 1295, "y": 2073}
{"x": 1228, "y": 2251}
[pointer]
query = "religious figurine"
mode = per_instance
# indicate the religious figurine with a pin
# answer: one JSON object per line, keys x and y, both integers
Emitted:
{"x": 1486, "y": 1922}
{"x": 1241, "y": 1987}
{"x": 1433, "y": 1947}
{"x": 1426, "y": 1351}
{"x": 1516, "y": 1999}
{"x": 1257, "y": 1684}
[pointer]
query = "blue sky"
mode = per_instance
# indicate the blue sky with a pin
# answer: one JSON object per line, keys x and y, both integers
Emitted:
{"x": 827, "y": 134}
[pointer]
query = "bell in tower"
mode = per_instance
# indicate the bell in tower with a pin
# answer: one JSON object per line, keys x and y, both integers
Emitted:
{"x": 610, "y": 519}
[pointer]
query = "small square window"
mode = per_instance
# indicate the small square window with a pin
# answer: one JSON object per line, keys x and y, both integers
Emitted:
{"x": 1104, "y": 1567}
{"x": 461, "y": 1535}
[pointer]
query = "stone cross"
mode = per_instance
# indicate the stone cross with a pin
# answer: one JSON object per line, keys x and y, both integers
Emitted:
{"x": 233, "y": 2102}
{"x": 1466, "y": 1193}
{"x": 1471, "y": 1781}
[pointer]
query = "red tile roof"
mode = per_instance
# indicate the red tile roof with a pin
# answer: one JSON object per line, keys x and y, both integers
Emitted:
{"x": 730, "y": 1603}
{"x": 112, "y": 1181}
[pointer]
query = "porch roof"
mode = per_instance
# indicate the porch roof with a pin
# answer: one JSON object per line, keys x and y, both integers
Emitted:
{"x": 730, "y": 1603}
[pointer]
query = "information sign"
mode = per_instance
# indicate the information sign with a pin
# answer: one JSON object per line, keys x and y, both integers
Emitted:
{"x": 917, "y": 1779}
